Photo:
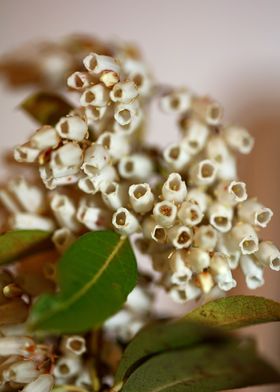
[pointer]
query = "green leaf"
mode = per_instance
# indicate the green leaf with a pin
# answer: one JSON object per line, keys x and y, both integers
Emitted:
{"x": 204, "y": 368}
{"x": 18, "y": 243}
{"x": 162, "y": 337}
{"x": 46, "y": 108}
{"x": 95, "y": 274}
{"x": 236, "y": 312}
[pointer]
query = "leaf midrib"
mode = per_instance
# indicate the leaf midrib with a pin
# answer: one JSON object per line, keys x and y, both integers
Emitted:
{"x": 78, "y": 294}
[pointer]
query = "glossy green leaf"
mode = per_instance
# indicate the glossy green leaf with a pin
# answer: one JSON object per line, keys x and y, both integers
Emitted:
{"x": 16, "y": 244}
{"x": 160, "y": 338}
{"x": 95, "y": 276}
{"x": 204, "y": 368}
{"x": 236, "y": 312}
{"x": 46, "y": 108}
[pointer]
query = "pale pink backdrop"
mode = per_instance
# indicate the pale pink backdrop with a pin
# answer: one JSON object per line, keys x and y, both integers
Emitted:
{"x": 229, "y": 49}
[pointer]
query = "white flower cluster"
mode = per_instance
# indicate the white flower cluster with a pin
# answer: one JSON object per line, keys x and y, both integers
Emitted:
{"x": 23, "y": 364}
{"x": 28, "y": 365}
{"x": 205, "y": 212}
{"x": 35, "y": 364}
{"x": 86, "y": 146}
{"x": 197, "y": 221}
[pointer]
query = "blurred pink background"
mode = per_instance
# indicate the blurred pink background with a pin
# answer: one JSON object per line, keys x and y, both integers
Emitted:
{"x": 228, "y": 49}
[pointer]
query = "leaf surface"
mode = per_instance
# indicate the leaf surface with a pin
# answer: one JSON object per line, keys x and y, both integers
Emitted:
{"x": 236, "y": 312}
{"x": 204, "y": 368}
{"x": 95, "y": 276}
{"x": 17, "y": 243}
{"x": 46, "y": 108}
{"x": 160, "y": 338}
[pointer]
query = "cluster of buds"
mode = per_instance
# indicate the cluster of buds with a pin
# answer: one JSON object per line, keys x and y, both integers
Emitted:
{"x": 37, "y": 363}
{"x": 205, "y": 215}
{"x": 24, "y": 365}
{"x": 29, "y": 366}
{"x": 87, "y": 146}
{"x": 190, "y": 211}
{"x": 197, "y": 221}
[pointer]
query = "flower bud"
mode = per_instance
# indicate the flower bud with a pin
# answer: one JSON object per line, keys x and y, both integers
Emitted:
{"x": 98, "y": 180}
{"x": 70, "y": 154}
{"x": 97, "y": 95}
{"x": 176, "y": 102}
{"x": 124, "y": 92}
{"x": 124, "y": 113}
{"x": 98, "y": 63}
{"x": 268, "y": 255}
{"x": 205, "y": 281}
{"x": 22, "y": 372}
{"x": 93, "y": 217}
{"x": 73, "y": 345}
{"x": 43, "y": 383}
{"x": 227, "y": 169}
{"x": 254, "y": 213}
{"x": 198, "y": 196}
{"x": 203, "y": 172}
{"x": 44, "y": 138}
{"x": 253, "y": 272}
{"x": 87, "y": 185}
{"x": 219, "y": 266}
{"x": 181, "y": 294}
{"x": 30, "y": 197}
{"x": 139, "y": 74}
{"x": 63, "y": 238}
{"x": 246, "y": 238}
{"x": 16, "y": 345}
{"x": 165, "y": 213}
{"x": 195, "y": 135}
{"x": 114, "y": 195}
{"x": 80, "y": 80}
{"x": 239, "y": 139}
{"x": 109, "y": 78}
{"x": 181, "y": 273}
{"x": 220, "y": 217}
{"x": 66, "y": 367}
{"x": 209, "y": 111}
{"x": 95, "y": 113}
{"x": 28, "y": 221}
{"x": 96, "y": 158}
{"x": 197, "y": 260}
{"x": 174, "y": 189}
{"x": 190, "y": 214}
{"x": 72, "y": 128}
{"x": 136, "y": 167}
{"x": 130, "y": 127}
{"x": 60, "y": 172}
{"x": 26, "y": 153}
{"x": 52, "y": 183}
{"x": 125, "y": 222}
{"x": 141, "y": 197}
{"x": 227, "y": 246}
{"x": 176, "y": 157}
{"x": 152, "y": 230}
{"x": 205, "y": 237}
{"x": 231, "y": 193}
{"x": 216, "y": 149}
{"x": 180, "y": 236}
{"x": 117, "y": 145}
{"x": 65, "y": 212}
